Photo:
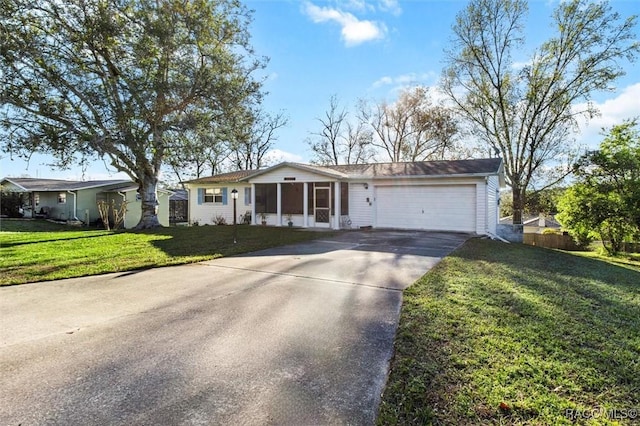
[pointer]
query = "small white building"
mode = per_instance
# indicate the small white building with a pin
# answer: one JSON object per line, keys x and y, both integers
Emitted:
{"x": 459, "y": 195}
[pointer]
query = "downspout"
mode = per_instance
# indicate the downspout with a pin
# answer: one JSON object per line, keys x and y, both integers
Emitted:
{"x": 497, "y": 237}
{"x": 75, "y": 217}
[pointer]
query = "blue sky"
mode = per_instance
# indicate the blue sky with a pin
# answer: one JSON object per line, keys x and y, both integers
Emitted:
{"x": 363, "y": 49}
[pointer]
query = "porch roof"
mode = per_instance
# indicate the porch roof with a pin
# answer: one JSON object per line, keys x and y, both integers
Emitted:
{"x": 319, "y": 170}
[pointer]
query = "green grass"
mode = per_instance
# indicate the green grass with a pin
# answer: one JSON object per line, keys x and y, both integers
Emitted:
{"x": 32, "y": 251}
{"x": 514, "y": 334}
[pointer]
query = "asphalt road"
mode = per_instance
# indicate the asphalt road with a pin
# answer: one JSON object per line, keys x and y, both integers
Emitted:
{"x": 295, "y": 335}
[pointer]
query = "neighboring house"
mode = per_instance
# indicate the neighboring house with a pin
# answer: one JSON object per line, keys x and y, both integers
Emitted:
{"x": 460, "y": 195}
{"x": 179, "y": 206}
{"x": 73, "y": 200}
{"x": 535, "y": 224}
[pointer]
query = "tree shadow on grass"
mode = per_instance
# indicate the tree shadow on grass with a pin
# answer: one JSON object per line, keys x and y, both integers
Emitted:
{"x": 541, "y": 331}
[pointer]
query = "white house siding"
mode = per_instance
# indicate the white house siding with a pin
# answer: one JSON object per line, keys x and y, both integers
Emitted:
{"x": 493, "y": 196}
{"x": 59, "y": 211}
{"x": 206, "y": 213}
{"x": 134, "y": 208}
{"x": 360, "y": 210}
{"x": 280, "y": 173}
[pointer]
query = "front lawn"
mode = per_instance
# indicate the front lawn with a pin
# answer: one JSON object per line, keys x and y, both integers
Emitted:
{"x": 33, "y": 251}
{"x": 513, "y": 334}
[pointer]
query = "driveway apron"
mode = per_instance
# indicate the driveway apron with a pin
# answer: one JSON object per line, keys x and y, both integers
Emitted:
{"x": 298, "y": 335}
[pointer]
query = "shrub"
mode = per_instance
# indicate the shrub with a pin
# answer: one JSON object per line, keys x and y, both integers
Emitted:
{"x": 11, "y": 203}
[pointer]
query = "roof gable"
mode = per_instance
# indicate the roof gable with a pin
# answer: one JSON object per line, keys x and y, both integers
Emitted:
{"x": 318, "y": 170}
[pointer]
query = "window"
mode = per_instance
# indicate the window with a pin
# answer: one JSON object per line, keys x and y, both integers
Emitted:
{"x": 36, "y": 199}
{"x": 62, "y": 198}
{"x": 292, "y": 197}
{"x": 213, "y": 195}
{"x": 266, "y": 197}
{"x": 247, "y": 196}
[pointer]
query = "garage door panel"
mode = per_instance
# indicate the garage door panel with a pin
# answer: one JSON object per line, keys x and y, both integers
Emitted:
{"x": 450, "y": 208}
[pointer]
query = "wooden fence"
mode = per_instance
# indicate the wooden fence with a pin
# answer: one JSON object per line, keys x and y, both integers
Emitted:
{"x": 556, "y": 241}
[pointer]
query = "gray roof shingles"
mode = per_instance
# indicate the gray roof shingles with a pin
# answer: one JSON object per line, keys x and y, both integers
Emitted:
{"x": 224, "y": 177}
{"x": 422, "y": 168}
{"x": 484, "y": 166}
{"x": 36, "y": 184}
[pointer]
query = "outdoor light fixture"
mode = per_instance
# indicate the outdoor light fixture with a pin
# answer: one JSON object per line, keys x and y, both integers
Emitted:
{"x": 234, "y": 197}
{"x": 366, "y": 186}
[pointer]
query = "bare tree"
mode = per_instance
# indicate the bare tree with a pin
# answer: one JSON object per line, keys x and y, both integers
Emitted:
{"x": 255, "y": 138}
{"x": 340, "y": 141}
{"x": 359, "y": 140}
{"x": 199, "y": 152}
{"x": 412, "y": 128}
{"x": 527, "y": 114}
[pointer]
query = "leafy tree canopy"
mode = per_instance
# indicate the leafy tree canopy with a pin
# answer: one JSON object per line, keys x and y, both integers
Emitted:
{"x": 605, "y": 202}
{"x": 121, "y": 79}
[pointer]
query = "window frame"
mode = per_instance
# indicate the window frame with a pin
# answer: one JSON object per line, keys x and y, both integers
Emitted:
{"x": 212, "y": 196}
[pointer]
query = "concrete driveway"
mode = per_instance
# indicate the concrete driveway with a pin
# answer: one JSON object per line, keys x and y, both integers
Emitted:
{"x": 301, "y": 334}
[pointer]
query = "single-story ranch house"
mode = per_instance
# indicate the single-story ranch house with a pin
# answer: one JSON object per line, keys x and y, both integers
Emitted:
{"x": 76, "y": 200}
{"x": 459, "y": 195}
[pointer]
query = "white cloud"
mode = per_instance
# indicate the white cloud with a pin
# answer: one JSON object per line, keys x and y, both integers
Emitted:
{"x": 517, "y": 66}
{"x": 386, "y": 6}
{"x": 276, "y": 155}
{"x": 625, "y": 105}
{"x": 404, "y": 79}
{"x": 354, "y": 31}
{"x": 390, "y": 6}
{"x": 358, "y": 5}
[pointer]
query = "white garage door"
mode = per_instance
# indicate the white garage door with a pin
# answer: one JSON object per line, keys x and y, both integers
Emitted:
{"x": 443, "y": 207}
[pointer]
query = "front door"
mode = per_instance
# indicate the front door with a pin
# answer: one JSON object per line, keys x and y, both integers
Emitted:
{"x": 322, "y": 204}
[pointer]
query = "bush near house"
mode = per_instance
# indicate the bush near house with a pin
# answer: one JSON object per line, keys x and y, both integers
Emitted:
{"x": 10, "y": 203}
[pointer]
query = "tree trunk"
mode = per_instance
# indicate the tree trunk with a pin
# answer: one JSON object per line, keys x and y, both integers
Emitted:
{"x": 149, "y": 202}
{"x": 518, "y": 204}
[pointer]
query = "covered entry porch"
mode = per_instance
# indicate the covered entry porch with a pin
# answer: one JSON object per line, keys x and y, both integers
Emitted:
{"x": 320, "y": 204}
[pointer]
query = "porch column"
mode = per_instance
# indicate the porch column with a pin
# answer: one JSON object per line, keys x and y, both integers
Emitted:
{"x": 279, "y": 205}
{"x": 336, "y": 204}
{"x": 305, "y": 205}
{"x": 253, "y": 204}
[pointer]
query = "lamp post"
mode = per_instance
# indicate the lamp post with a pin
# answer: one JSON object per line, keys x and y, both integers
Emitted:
{"x": 234, "y": 196}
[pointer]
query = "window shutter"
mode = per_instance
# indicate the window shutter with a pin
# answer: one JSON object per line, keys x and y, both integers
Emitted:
{"x": 224, "y": 196}
{"x": 247, "y": 196}
{"x": 200, "y": 195}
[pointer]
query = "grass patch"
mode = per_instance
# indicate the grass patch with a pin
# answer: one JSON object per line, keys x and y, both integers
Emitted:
{"x": 514, "y": 334}
{"x": 32, "y": 251}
